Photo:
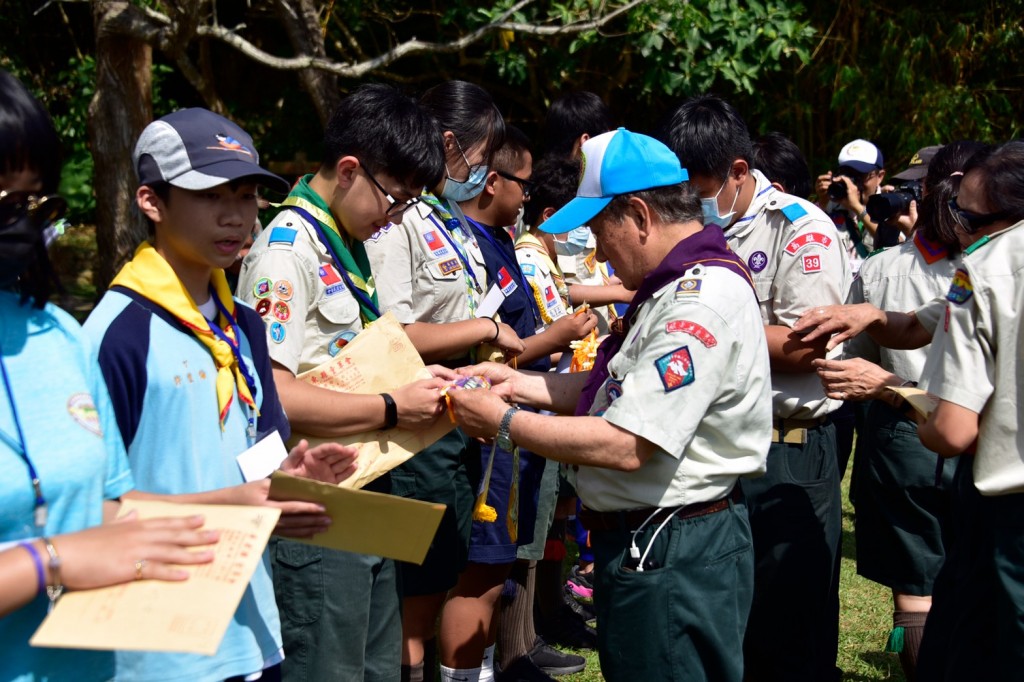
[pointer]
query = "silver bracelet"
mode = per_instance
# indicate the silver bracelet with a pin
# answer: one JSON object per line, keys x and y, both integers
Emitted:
{"x": 55, "y": 588}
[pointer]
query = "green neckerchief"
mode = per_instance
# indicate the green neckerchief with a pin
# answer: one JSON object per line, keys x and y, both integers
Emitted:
{"x": 353, "y": 258}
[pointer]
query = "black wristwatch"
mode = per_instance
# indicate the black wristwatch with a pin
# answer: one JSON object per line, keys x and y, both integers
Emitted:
{"x": 504, "y": 438}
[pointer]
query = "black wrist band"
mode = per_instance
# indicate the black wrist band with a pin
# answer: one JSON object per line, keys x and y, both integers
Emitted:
{"x": 390, "y": 411}
{"x": 497, "y": 330}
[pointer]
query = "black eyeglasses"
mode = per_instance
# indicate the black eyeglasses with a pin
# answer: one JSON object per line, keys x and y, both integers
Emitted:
{"x": 527, "y": 185}
{"x": 41, "y": 210}
{"x": 971, "y": 221}
{"x": 396, "y": 208}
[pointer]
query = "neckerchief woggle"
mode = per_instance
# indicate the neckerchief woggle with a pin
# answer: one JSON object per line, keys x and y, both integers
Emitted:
{"x": 352, "y": 262}
{"x": 152, "y": 277}
{"x": 707, "y": 247}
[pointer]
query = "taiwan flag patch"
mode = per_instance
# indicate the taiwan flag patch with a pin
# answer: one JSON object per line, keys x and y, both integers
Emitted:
{"x": 505, "y": 282}
{"x": 675, "y": 369}
{"x": 434, "y": 243}
{"x": 328, "y": 275}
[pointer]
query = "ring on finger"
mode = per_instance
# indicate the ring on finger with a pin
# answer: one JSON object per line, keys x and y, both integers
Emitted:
{"x": 139, "y": 565}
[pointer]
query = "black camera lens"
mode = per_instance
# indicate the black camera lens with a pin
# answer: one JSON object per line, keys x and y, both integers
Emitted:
{"x": 882, "y": 207}
{"x": 837, "y": 190}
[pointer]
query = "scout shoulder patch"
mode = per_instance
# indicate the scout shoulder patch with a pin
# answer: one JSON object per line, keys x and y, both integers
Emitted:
{"x": 811, "y": 263}
{"x": 283, "y": 289}
{"x": 687, "y": 287}
{"x": 331, "y": 279}
{"x": 693, "y": 329}
{"x": 446, "y": 267}
{"x": 381, "y": 232}
{"x": 675, "y": 368}
{"x": 613, "y": 390}
{"x": 281, "y": 311}
{"x": 282, "y": 235}
{"x": 529, "y": 269}
{"x": 808, "y": 239}
{"x": 794, "y": 212}
{"x": 339, "y": 342}
{"x": 960, "y": 290}
{"x": 277, "y": 332}
{"x": 263, "y": 307}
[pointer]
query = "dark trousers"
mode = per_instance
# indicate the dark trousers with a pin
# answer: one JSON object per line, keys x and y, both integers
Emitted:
{"x": 795, "y": 516}
{"x": 340, "y": 614}
{"x": 975, "y": 629}
{"x": 684, "y": 617}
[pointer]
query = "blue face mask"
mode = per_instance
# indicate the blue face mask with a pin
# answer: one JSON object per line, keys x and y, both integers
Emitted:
{"x": 464, "y": 190}
{"x": 709, "y": 207}
{"x": 575, "y": 242}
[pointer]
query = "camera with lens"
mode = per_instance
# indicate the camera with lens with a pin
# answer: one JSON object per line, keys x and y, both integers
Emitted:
{"x": 882, "y": 207}
{"x": 837, "y": 191}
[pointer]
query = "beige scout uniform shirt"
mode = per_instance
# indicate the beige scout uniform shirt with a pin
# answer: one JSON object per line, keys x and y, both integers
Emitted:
{"x": 692, "y": 377}
{"x": 584, "y": 268}
{"x": 289, "y": 277}
{"x": 539, "y": 270}
{"x": 900, "y": 278}
{"x": 974, "y": 360}
{"x": 796, "y": 260}
{"x": 419, "y": 275}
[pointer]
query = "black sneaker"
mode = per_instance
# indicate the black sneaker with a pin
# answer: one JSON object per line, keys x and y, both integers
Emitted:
{"x": 555, "y": 662}
{"x": 568, "y": 630}
{"x": 522, "y": 670}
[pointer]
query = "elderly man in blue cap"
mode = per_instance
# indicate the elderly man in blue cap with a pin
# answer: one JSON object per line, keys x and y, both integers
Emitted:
{"x": 676, "y": 408}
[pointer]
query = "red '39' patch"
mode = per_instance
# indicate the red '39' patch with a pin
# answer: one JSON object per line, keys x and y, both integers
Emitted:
{"x": 812, "y": 263}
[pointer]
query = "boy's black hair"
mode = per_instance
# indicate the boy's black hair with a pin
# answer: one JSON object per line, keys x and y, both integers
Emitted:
{"x": 388, "y": 132}
{"x": 28, "y": 140}
{"x": 573, "y": 115}
{"x": 781, "y": 161}
{"x": 508, "y": 157}
{"x": 555, "y": 179}
{"x": 933, "y": 218}
{"x": 469, "y": 112}
{"x": 707, "y": 135}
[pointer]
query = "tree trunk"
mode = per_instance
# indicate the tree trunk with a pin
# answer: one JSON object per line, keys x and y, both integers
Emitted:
{"x": 120, "y": 109}
{"x": 307, "y": 38}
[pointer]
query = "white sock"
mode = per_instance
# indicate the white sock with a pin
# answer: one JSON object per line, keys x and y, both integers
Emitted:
{"x": 460, "y": 674}
{"x": 487, "y": 666}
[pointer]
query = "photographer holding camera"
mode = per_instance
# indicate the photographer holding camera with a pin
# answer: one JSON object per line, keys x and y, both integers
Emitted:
{"x": 894, "y": 210}
{"x": 843, "y": 196}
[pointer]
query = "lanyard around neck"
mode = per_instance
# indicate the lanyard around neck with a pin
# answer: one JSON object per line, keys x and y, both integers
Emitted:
{"x": 236, "y": 350}
{"x": 37, "y": 488}
{"x": 512, "y": 265}
{"x": 358, "y": 293}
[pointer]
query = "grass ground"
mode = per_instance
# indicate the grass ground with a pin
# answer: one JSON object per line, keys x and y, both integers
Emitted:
{"x": 865, "y": 621}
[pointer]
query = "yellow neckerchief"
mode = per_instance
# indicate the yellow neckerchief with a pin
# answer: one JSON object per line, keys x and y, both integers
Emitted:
{"x": 149, "y": 275}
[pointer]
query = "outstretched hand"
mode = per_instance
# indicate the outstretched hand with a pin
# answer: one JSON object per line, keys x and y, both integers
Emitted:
{"x": 327, "y": 463}
{"x": 842, "y": 322}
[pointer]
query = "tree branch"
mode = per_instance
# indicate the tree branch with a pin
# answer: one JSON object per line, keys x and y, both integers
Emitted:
{"x": 410, "y": 47}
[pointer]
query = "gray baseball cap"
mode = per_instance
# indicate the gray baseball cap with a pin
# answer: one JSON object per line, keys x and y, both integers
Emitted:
{"x": 197, "y": 149}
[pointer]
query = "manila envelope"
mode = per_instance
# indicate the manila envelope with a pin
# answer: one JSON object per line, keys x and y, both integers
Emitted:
{"x": 365, "y": 522}
{"x": 152, "y": 615}
{"x": 379, "y": 359}
{"x": 923, "y": 403}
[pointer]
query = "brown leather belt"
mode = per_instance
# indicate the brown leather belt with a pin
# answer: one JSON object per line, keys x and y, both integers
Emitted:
{"x": 631, "y": 519}
{"x": 794, "y": 431}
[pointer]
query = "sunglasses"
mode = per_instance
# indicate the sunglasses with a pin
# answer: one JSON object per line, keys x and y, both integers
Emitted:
{"x": 971, "y": 221}
{"x": 41, "y": 210}
{"x": 396, "y": 208}
{"x": 527, "y": 186}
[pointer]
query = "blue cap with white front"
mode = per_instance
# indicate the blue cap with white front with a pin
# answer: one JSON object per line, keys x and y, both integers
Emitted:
{"x": 614, "y": 163}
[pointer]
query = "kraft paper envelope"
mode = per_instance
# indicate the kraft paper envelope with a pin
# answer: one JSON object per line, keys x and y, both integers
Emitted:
{"x": 365, "y": 522}
{"x": 152, "y": 615}
{"x": 380, "y": 359}
{"x": 923, "y": 403}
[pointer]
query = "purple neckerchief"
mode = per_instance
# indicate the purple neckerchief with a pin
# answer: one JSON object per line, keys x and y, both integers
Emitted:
{"x": 706, "y": 247}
